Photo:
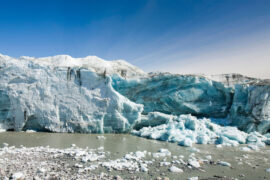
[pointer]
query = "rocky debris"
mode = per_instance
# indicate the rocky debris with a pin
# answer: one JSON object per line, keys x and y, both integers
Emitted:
{"x": 74, "y": 163}
{"x": 84, "y": 163}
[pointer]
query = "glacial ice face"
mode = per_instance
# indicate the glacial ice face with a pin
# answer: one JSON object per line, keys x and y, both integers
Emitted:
{"x": 250, "y": 110}
{"x": 242, "y": 101}
{"x": 65, "y": 94}
{"x": 177, "y": 94}
{"x": 61, "y": 99}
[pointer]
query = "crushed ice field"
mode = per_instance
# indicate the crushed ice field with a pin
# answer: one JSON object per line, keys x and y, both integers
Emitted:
{"x": 187, "y": 130}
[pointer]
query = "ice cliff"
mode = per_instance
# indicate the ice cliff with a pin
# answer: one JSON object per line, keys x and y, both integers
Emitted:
{"x": 40, "y": 97}
{"x": 178, "y": 94}
{"x": 91, "y": 95}
{"x": 232, "y": 99}
{"x": 250, "y": 110}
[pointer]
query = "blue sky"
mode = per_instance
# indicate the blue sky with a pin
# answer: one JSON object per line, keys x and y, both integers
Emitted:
{"x": 180, "y": 36}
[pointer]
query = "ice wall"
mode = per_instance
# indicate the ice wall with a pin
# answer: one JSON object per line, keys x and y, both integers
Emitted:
{"x": 242, "y": 101}
{"x": 61, "y": 99}
{"x": 250, "y": 110}
{"x": 178, "y": 94}
{"x": 89, "y": 95}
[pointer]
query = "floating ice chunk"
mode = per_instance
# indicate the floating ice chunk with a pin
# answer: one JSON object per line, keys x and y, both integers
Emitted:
{"x": 256, "y": 139}
{"x": 209, "y": 157}
{"x": 194, "y": 150}
{"x": 246, "y": 149}
{"x": 2, "y": 130}
{"x": 194, "y": 163}
{"x": 92, "y": 167}
{"x": 192, "y": 155}
{"x": 254, "y": 147}
{"x": 164, "y": 163}
{"x": 78, "y": 165}
{"x": 41, "y": 170}
{"x": 162, "y": 153}
{"x": 186, "y": 142}
{"x": 140, "y": 154}
{"x": 18, "y": 176}
{"x": 121, "y": 164}
{"x": 158, "y": 155}
{"x": 30, "y": 131}
{"x": 101, "y": 148}
{"x": 223, "y": 163}
{"x": 268, "y": 170}
{"x": 193, "y": 178}
{"x": 166, "y": 151}
{"x": 101, "y": 137}
{"x": 175, "y": 169}
{"x": 136, "y": 156}
{"x": 181, "y": 156}
{"x": 144, "y": 168}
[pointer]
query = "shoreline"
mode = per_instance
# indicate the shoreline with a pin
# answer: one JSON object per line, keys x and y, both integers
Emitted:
{"x": 147, "y": 159}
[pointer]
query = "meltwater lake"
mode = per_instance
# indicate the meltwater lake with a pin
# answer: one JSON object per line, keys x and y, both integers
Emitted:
{"x": 212, "y": 159}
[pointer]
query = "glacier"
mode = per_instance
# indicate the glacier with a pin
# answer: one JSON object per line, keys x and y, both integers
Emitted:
{"x": 92, "y": 95}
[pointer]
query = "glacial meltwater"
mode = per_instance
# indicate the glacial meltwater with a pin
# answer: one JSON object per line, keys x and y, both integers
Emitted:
{"x": 111, "y": 156}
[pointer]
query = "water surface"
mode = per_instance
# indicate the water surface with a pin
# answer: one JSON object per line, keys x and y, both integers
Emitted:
{"x": 253, "y": 166}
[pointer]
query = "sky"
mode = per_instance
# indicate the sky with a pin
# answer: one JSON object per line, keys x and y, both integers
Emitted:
{"x": 178, "y": 36}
